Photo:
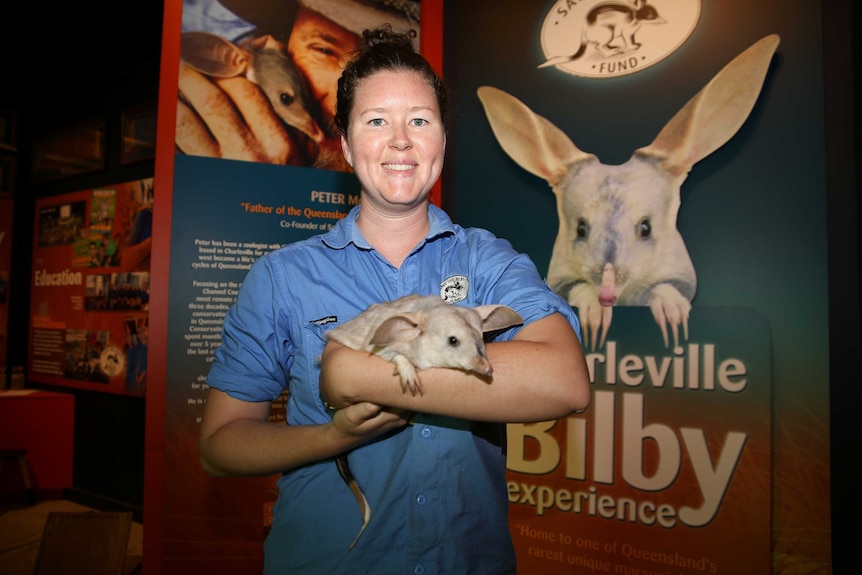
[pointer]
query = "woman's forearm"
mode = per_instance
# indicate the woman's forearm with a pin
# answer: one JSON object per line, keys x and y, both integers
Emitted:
{"x": 540, "y": 375}
{"x": 236, "y": 438}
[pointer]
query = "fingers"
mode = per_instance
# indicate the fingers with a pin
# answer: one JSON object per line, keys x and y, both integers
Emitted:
{"x": 192, "y": 135}
{"x": 383, "y": 416}
{"x": 607, "y": 314}
{"x": 367, "y": 419}
{"x": 273, "y": 139}
{"x": 595, "y": 320}
{"x": 363, "y": 411}
{"x": 230, "y": 118}
{"x": 670, "y": 308}
{"x": 216, "y": 113}
{"x": 659, "y": 317}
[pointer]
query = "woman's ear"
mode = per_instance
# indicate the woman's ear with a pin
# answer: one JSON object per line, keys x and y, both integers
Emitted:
{"x": 345, "y": 150}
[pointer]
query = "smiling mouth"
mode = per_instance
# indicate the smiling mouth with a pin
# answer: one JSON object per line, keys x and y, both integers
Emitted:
{"x": 399, "y": 167}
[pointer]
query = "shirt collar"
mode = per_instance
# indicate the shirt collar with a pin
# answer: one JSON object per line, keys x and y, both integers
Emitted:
{"x": 347, "y": 232}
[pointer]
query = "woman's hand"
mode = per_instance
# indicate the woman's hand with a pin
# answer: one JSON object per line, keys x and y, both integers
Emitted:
{"x": 366, "y": 420}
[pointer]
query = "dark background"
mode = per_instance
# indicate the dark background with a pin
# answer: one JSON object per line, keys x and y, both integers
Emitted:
{"x": 65, "y": 63}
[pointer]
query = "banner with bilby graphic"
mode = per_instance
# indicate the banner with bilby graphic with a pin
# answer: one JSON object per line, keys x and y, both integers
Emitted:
{"x": 639, "y": 152}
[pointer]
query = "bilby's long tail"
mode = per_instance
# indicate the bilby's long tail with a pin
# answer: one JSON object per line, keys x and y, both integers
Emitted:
{"x": 364, "y": 507}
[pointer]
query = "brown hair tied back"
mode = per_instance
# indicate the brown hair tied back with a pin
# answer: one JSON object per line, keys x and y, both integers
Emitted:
{"x": 381, "y": 49}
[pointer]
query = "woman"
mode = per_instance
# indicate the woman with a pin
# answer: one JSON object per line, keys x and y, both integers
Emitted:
{"x": 437, "y": 485}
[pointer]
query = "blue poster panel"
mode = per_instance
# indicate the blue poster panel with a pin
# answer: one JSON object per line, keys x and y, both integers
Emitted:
{"x": 226, "y": 215}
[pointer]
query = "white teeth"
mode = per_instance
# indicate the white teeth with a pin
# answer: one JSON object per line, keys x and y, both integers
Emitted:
{"x": 399, "y": 167}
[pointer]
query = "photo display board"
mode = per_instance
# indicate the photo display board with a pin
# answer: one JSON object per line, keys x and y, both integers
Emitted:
{"x": 89, "y": 326}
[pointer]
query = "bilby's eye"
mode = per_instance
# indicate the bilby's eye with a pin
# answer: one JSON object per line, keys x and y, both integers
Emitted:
{"x": 644, "y": 228}
{"x": 453, "y": 341}
{"x": 583, "y": 229}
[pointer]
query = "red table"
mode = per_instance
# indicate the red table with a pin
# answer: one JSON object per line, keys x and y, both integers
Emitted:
{"x": 43, "y": 423}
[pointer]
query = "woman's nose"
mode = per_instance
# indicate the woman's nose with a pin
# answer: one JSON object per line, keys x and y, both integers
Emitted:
{"x": 400, "y": 139}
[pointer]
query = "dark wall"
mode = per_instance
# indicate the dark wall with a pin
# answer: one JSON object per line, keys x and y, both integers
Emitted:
{"x": 843, "y": 154}
{"x": 79, "y": 62}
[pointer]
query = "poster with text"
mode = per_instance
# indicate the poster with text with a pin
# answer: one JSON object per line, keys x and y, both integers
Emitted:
{"x": 247, "y": 100}
{"x": 668, "y": 470}
{"x": 90, "y": 289}
{"x": 640, "y": 153}
{"x": 212, "y": 248}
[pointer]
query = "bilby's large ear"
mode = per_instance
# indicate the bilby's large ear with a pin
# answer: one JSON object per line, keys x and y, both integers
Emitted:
{"x": 213, "y": 55}
{"x": 532, "y": 141}
{"x": 496, "y": 317}
{"x": 715, "y": 113}
{"x": 398, "y": 329}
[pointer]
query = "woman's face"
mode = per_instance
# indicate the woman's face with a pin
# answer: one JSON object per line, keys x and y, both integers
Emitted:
{"x": 396, "y": 139}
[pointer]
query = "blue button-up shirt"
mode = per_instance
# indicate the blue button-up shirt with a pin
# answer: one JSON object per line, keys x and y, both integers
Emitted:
{"x": 437, "y": 488}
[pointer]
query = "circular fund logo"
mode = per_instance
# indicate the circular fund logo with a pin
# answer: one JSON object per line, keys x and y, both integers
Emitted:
{"x": 611, "y": 38}
{"x": 112, "y": 361}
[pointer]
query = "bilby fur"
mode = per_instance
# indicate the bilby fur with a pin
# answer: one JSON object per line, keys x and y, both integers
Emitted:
{"x": 420, "y": 332}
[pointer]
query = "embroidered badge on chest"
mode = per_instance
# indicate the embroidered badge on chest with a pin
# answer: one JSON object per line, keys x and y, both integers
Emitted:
{"x": 454, "y": 289}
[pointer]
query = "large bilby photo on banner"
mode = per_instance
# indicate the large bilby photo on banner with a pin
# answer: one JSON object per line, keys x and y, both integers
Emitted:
{"x": 257, "y": 165}
{"x": 659, "y": 160}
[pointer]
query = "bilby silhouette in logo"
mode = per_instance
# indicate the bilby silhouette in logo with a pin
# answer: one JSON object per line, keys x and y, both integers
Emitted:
{"x": 610, "y": 28}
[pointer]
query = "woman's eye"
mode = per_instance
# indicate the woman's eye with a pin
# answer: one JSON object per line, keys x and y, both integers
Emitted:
{"x": 376, "y": 122}
{"x": 418, "y": 122}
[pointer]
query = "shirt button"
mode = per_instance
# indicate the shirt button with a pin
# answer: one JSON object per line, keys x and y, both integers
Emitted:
{"x": 426, "y": 432}
{"x": 419, "y": 569}
{"x": 421, "y": 500}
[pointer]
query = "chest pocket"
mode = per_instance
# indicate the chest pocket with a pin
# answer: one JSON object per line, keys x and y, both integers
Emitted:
{"x": 308, "y": 386}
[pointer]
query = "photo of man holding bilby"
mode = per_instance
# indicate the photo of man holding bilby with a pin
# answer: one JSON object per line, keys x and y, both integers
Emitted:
{"x": 258, "y": 78}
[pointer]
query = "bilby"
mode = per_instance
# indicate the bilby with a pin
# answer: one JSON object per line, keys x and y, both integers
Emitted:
{"x": 618, "y": 243}
{"x": 263, "y": 61}
{"x": 420, "y": 332}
